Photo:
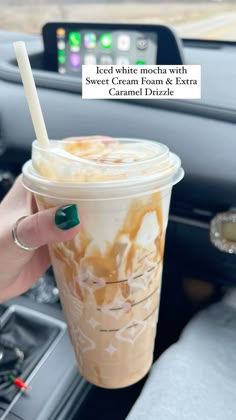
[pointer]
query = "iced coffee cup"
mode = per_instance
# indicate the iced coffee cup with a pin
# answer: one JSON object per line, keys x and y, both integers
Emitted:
{"x": 109, "y": 275}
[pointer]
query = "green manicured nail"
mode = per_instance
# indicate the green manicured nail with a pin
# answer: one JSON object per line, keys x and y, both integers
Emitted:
{"x": 66, "y": 217}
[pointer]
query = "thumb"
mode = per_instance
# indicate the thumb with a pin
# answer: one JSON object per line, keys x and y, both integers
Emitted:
{"x": 60, "y": 224}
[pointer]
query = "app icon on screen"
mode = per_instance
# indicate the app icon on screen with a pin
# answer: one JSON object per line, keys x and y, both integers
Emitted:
{"x": 105, "y": 59}
{"x": 90, "y": 40}
{"x": 61, "y": 45}
{"x": 74, "y": 48}
{"x": 123, "y": 42}
{"x": 74, "y": 38}
{"x": 61, "y": 56}
{"x": 60, "y": 31}
{"x": 140, "y": 62}
{"x": 62, "y": 70}
{"x": 106, "y": 40}
{"x": 122, "y": 60}
{"x": 142, "y": 43}
{"x": 74, "y": 59}
{"x": 90, "y": 59}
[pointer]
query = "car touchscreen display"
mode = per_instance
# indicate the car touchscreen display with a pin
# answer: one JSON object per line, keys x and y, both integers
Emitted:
{"x": 85, "y": 46}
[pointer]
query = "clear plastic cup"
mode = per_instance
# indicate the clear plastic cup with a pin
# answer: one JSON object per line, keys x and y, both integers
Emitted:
{"x": 109, "y": 275}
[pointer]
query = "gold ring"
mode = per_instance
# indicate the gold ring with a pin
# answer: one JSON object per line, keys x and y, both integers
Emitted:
{"x": 15, "y": 238}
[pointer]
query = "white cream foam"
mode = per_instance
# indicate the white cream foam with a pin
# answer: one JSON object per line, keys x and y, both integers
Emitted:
{"x": 91, "y": 161}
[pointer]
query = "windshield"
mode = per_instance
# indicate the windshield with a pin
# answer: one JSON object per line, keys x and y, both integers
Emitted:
{"x": 201, "y": 19}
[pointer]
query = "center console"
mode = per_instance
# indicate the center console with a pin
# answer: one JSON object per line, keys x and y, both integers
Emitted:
{"x": 55, "y": 388}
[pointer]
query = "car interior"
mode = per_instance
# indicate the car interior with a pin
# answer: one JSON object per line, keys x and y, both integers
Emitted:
{"x": 200, "y": 261}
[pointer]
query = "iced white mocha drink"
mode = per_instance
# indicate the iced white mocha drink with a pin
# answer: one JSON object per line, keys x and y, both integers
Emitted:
{"x": 109, "y": 275}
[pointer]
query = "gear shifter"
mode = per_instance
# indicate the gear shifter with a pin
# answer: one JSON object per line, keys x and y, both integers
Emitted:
{"x": 11, "y": 364}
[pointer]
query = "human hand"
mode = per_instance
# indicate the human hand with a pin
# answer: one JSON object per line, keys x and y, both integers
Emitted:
{"x": 19, "y": 268}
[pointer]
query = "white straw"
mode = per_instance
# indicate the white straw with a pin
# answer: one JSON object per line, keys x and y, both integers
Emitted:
{"x": 31, "y": 92}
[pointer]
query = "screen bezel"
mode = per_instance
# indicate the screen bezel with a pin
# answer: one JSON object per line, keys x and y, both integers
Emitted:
{"x": 169, "y": 50}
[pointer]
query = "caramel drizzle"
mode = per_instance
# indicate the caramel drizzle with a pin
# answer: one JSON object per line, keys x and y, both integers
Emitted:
{"x": 135, "y": 277}
{"x": 97, "y": 151}
{"x": 108, "y": 265}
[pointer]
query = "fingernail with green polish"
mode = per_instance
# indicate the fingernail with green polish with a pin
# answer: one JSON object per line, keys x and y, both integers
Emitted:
{"x": 66, "y": 217}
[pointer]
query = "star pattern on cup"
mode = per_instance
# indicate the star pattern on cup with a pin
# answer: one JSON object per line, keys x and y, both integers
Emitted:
{"x": 147, "y": 304}
{"x": 93, "y": 323}
{"x": 89, "y": 281}
{"x": 84, "y": 342}
{"x": 139, "y": 280}
{"x": 131, "y": 331}
{"x": 151, "y": 265}
{"x": 117, "y": 307}
{"x": 111, "y": 349}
